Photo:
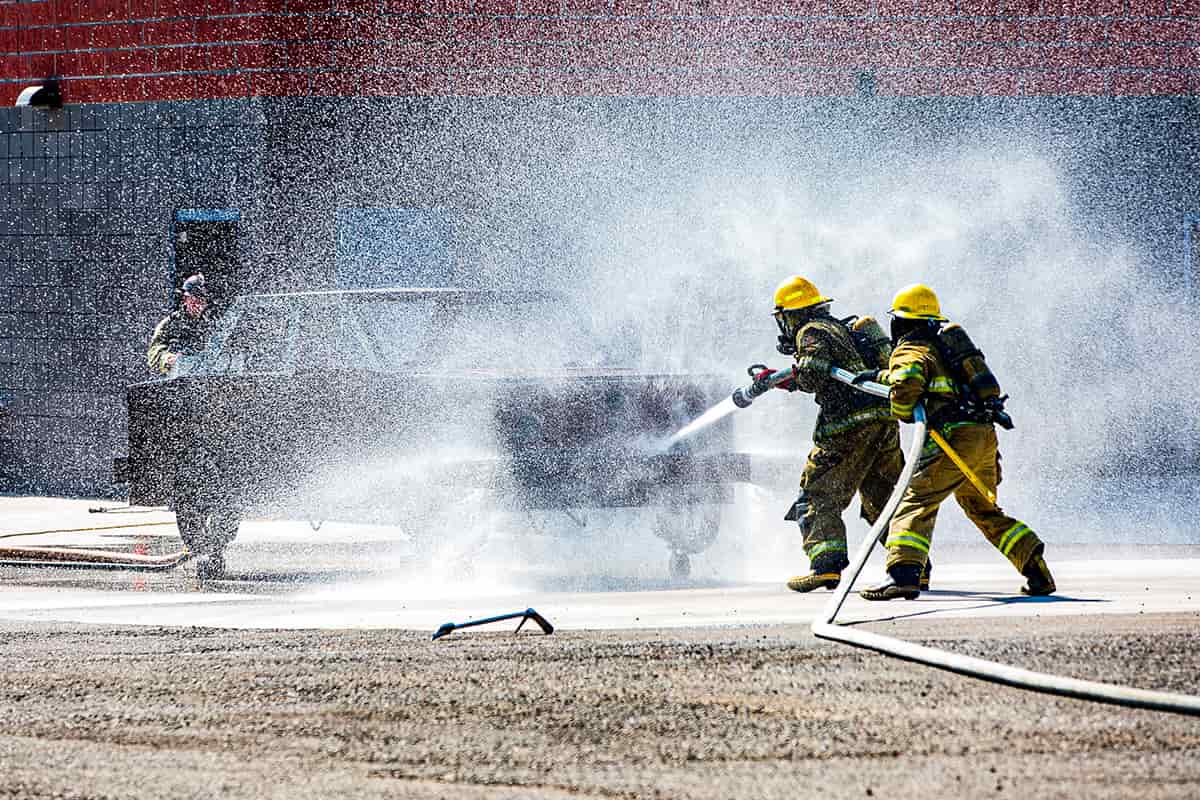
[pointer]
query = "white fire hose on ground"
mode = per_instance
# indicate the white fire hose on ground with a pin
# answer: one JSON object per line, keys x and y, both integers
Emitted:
{"x": 823, "y": 627}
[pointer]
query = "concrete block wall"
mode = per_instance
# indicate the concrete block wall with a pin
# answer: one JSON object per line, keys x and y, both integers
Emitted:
{"x": 86, "y": 203}
{"x": 130, "y": 50}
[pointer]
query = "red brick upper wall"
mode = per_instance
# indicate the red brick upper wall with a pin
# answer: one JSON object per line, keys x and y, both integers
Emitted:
{"x": 123, "y": 50}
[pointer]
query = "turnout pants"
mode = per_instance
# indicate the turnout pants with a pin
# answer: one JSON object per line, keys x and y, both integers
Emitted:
{"x": 935, "y": 479}
{"x": 864, "y": 460}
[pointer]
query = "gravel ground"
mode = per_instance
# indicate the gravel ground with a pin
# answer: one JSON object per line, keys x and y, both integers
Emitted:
{"x": 752, "y": 712}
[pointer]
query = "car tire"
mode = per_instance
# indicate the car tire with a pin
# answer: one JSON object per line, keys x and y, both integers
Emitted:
{"x": 190, "y": 520}
{"x": 680, "y": 567}
{"x": 690, "y": 529}
{"x": 211, "y": 567}
{"x": 223, "y": 526}
{"x": 204, "y": 529}
{"x": 207, "y": 523}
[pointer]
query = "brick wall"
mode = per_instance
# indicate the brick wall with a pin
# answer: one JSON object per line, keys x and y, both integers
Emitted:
{"x": 132, "y": 50}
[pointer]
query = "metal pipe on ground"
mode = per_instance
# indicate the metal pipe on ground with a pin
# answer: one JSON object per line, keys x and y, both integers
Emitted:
{"x": 824, "y": 628}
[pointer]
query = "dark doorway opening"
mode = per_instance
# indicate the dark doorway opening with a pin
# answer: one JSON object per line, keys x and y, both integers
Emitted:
{"x": 206, "y": 241}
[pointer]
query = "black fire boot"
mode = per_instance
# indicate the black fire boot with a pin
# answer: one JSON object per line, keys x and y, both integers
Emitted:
{"x": 1038, "y": 580}
{"x": 925, "y": 573}
{"x": 904, "y": 580}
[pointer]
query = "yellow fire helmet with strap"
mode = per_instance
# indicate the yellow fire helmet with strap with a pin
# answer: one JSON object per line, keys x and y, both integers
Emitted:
{"x": 797, "y": 293}
{"x": 916, "y": 301}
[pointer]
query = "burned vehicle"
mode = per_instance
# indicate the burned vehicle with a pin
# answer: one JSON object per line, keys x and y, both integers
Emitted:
{"x": 381, "y": 405}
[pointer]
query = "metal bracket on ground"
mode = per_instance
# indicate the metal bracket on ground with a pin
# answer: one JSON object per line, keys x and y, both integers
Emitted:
{"x": 527, "y": 614}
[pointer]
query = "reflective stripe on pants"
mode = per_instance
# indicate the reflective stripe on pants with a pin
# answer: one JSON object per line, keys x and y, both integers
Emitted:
{"x": 911, "y": 529}
{"x": 866, "y": 460}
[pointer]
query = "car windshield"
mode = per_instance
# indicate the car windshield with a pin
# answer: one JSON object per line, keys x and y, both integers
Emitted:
{"x": 253, "y": 336}
{"x": 394, "y": 332}
{"x": 486, "y": 330}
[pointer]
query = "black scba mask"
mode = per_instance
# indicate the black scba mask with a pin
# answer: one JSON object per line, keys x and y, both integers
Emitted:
{"x": 787, "y": 334}
{"x": 791, "y": 321}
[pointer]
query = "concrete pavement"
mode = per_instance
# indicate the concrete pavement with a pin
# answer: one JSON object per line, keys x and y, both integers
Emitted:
{"x": 288, "y": 575}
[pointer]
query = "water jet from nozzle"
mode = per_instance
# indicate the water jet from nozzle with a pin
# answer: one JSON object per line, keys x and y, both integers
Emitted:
{"x": 742, "y": 398}
{"x": 714, "y": 414}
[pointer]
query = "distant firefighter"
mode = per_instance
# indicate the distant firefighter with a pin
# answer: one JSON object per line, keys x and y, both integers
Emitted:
{"x": 856, "y": 444}
{"x": 937, "y": 364}
{"x": 184, "y": 331}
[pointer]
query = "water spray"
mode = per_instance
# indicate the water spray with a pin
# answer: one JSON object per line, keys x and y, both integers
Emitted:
{"x": 744, "y": 396}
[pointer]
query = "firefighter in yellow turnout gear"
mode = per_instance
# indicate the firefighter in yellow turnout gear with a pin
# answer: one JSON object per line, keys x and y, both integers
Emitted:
{"x": 856, "y": 444}
{"x": 918, "y": 371}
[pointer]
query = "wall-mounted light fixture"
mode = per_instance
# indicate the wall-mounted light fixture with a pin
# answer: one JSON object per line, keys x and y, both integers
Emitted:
{"x": 47, "y": 95}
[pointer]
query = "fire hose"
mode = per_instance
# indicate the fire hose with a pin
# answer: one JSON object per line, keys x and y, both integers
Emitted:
{"x": 88, "y": 559}
{"x": 85, "y": 558}
{"x": 824, "y": 627}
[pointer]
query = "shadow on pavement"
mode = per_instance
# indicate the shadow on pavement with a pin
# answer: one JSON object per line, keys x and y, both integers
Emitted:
{"x": 615, "y": 583}
{"x": 997, "y": 601}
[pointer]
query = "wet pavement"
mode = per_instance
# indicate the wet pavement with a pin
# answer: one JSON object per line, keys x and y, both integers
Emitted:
{"x": 294, "y": 575}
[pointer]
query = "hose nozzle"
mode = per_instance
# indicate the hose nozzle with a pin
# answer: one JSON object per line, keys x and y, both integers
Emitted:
{"x": 763, "y": 383}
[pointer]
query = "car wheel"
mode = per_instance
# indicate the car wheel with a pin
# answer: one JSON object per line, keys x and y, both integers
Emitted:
{"x": 206, "y": 522}
{"x": 681, "y": 566}
{"x": 689, "y": 529}
{"x": 211, "y": 566}
{"x": 223, "y": 526}
{"x": 203, "y": 528}
{"x": 190, "y": 520}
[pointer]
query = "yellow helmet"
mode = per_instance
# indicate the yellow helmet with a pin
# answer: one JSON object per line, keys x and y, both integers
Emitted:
{"x": 916, "y": 301}
{"x": 797, "y": 293}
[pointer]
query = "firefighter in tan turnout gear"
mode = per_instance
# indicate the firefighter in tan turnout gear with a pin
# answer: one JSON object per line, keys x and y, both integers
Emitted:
{"x": 937, "y": 364}
{"x": 856, "y": 444}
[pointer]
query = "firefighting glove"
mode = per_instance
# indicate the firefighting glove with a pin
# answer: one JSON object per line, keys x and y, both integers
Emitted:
{"x": 995, "y": 409}
{"x": 798, "y": 510}
{"x": 865, "y": 376}
{"x": 762, "y": 382}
